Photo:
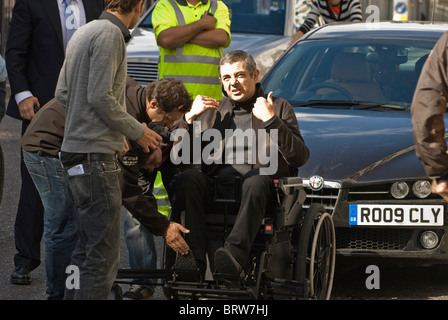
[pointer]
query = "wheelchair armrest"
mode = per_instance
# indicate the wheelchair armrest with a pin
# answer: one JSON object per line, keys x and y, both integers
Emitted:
{"x": 289, "y": 184}
{"x": 290, "y": 195}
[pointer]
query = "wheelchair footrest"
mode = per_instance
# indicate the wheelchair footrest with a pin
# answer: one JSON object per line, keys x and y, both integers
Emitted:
{"x": 186, "y": 268}
{"x": 209, "y": 289}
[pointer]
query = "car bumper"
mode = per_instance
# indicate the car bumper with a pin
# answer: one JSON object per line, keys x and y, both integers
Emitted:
{"x": 390, "y": 243}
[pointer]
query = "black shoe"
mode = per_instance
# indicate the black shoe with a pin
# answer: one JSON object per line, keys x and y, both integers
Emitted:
{"x": 226, "y": 265}
{"x": 21, "y": 275}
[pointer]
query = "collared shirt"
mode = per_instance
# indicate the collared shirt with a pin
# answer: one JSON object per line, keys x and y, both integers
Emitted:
{"x": 109, "y": 16}
{"x": 195, "y": 65}
{"x": 77, "y": 15}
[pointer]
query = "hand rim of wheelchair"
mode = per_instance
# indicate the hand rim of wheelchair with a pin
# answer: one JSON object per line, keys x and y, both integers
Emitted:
{"x": 322, "y": 223}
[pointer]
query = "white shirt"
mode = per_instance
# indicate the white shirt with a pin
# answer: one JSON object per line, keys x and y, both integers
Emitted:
{"x": 77, "y": 19}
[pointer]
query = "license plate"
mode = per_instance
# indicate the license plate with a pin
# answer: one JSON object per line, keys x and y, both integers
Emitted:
{"x": 395, "y": 215}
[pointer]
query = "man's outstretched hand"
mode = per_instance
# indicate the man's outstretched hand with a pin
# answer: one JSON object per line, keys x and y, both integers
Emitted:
{"x": 174, "y": 238}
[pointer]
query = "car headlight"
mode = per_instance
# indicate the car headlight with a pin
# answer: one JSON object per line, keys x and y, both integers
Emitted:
{"x": 399, "y": 190}
{"x": 421, "y": 188}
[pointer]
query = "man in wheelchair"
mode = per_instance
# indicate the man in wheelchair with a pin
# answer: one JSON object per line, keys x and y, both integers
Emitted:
{"x": 263, "y": 121}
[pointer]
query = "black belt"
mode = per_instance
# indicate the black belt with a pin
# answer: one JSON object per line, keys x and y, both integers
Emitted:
{"x": 100, "y": 156}
{"x": 42, "y": 153}
{"x": 69, "y": 158}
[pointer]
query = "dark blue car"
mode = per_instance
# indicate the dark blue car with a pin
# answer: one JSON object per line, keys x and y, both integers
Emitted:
{"x": 351, "y": 86}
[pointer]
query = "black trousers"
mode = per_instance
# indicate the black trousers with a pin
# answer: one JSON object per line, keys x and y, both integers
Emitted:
{"x": 29, "y": 223}
{"x": 194, "y": 192}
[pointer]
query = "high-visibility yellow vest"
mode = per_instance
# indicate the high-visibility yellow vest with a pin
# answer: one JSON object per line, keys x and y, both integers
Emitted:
{"x": 195, "y": 65}
{"x": 159, "y": 192}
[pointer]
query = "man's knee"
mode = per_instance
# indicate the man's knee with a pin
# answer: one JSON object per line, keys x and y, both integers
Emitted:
{"x": 188, "y": 180}
{"x": 257, "y": 184}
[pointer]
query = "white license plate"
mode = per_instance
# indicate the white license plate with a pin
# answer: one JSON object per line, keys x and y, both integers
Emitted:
{"x": 395, "y": 215}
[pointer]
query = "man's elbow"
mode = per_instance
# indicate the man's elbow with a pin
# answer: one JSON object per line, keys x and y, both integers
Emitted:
{"x": 222, "y": 39}
{"x": 164, "y": 43}
{"x": 222, "y": 42}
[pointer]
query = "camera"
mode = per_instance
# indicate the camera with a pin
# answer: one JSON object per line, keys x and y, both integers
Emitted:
{"x": 161, "y": 130}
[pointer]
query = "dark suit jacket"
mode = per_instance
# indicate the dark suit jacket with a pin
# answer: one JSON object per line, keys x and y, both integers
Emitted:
{"x": 35, "y": 48}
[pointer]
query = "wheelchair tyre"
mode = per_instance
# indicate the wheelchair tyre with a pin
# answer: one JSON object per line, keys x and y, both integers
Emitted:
{"x": 316, "y": 252}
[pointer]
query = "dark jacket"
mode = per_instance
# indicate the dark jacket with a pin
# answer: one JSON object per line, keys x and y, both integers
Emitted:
{"x": 143, "y": 208}
{"x": 35, "y": 48}
{"x": 46, "y": 131}
{"x": 428, "y": 107}
{"x": 292, "y": 151}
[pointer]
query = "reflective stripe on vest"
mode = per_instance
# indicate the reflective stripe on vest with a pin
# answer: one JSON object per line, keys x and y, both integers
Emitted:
{"x": 206, "y": 65}
{"x": 159, "y": 192}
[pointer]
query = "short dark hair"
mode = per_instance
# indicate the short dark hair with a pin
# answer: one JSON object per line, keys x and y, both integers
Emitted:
{"x": 239, "y": 55}
{"x": 170, "y": 94}
{"x": 121, "y": 6}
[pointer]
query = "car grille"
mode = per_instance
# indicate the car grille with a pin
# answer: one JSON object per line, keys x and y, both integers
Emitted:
{"x": 327, "y": 196}
{"x": 372, "y": 239}
{"x": 143, "y": 72}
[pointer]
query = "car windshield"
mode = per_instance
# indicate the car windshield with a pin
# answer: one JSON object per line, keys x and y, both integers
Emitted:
{"x": 364, "y": 73}
{"x": 250, "y": 16}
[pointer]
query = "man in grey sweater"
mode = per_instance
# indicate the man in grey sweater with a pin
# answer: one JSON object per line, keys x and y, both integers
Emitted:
{"x": 91, "y": 87}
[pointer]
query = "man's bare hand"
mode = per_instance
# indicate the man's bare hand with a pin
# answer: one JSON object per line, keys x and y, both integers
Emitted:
{"x": 26, "y": 107}
{"x": 151, "y": 140}
{"x": 264, "y": 108}
{"x": 200, "y": 104}
{"x": 154, "y": 160}
{"x": 125, "y": 148}
{"x": 440, "y": 189}
{"x": 174, "y": 238}
{"x": 208, "y": 22}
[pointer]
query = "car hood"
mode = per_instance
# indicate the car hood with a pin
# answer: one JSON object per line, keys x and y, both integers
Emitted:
{"x": 358, "y": 146}
{"x": 143, "y": 44}
{"x": 265, "y": 48}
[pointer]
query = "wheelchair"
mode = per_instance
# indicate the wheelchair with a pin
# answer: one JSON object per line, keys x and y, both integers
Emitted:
{"x": 293, "y": 256}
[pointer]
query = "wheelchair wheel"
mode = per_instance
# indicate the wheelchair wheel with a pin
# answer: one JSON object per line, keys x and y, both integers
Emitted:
{"x": 316, "y": 252}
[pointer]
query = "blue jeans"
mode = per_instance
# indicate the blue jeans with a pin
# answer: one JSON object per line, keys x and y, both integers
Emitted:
{"x": 141, "y": 246}
{"x": 96, "y": 192}
{"x": 60, "y": 218}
